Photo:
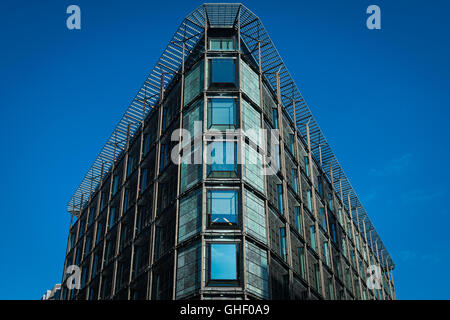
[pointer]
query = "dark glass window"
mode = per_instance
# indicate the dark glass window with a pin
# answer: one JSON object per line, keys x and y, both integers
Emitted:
{"x": 291, "y": 143}
{"x": 221, "y": 113}
{"x": 162, "y": 157}
{"x": 146, "y": 145}
{"x": 223, "y": 263}
{"x": 130, "y": 166}
{"x": 319, "y": 185}
{"x": 283, "y": 243}
{"x": 222, "y": 161}
{"x": 306, "y": 161}
{"x": 116, "y": 181}
{"x": 278, "y": 157}
{"x": 223, "y": 207}
{"x": 99, "y": 234}
{"x": 275, "y": 117}
{"x": 294, "y": 180}
{"x": 333, "y": 232}
{"x": 125, "y": 199}
{"x": 280, "y": 197}
{"x": 222, "y": 71}
{"x": 91, "y": 215}
{"x": 143, "y": 181}
{"x": 164, "y": 119}
{"x": 87, "y": 245}
{"x": 325, "y": 253}
{"x": 323, "y": 220}
{"x": 81, "y": 231}
{"x": 330, "y": 201}
{"x": 317, "y": 276}
{"x": 308, "y": 200}
{"x": 94, "y": 265}
{"x": 301, "y": 261}
{"x": 103, "y": 200}
{"x": 312, "y": 231}
{"x": 298, "y": 219}
{"x": 112, "y": 217}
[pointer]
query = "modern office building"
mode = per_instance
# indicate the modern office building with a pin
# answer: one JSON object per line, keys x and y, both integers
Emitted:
{"x": 240, "y": 214}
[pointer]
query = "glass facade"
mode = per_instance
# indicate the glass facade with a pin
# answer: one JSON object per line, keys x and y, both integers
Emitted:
{"x": 216, "y": 219}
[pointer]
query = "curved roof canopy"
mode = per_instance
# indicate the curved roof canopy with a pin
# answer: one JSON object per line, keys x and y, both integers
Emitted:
{"x": 168, "y": 66}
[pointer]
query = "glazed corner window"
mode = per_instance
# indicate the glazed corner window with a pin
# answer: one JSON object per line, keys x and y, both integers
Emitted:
{"x": 222, "y": 71}
{"x": 222, "y": 207}
{"x": 221, "y": 44}
{"x": 312, "y": 231}
{"x": 222, "y": 159}
{"x": 223, "y": 263}
{"x": 221, "y": 113}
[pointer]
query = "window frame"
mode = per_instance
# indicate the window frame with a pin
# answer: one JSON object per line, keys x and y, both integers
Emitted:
{"x": 226, "y": 84}
{"x": 222, "y": 126}
{"x": 223, "y": 173}
{"x": 221, "y": 43}
{"x": 221, "y": 225}
{"x": 224, "y": 282}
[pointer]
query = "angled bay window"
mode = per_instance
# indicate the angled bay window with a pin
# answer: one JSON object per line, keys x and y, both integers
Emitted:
{"x": 222, "y": 162}
{"x": 223, "y": 264}
{"x": 222, "y": 113}
{"x": 221, "y": 44}
{"x": 222, "y": 207}
{"x": 222, "y": 72}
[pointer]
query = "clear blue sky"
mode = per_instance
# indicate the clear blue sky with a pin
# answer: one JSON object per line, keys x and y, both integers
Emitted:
{"x": 381, "y": 98}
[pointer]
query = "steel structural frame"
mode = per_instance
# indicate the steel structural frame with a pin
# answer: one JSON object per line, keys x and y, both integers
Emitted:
{"x": 169, "y": 65}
